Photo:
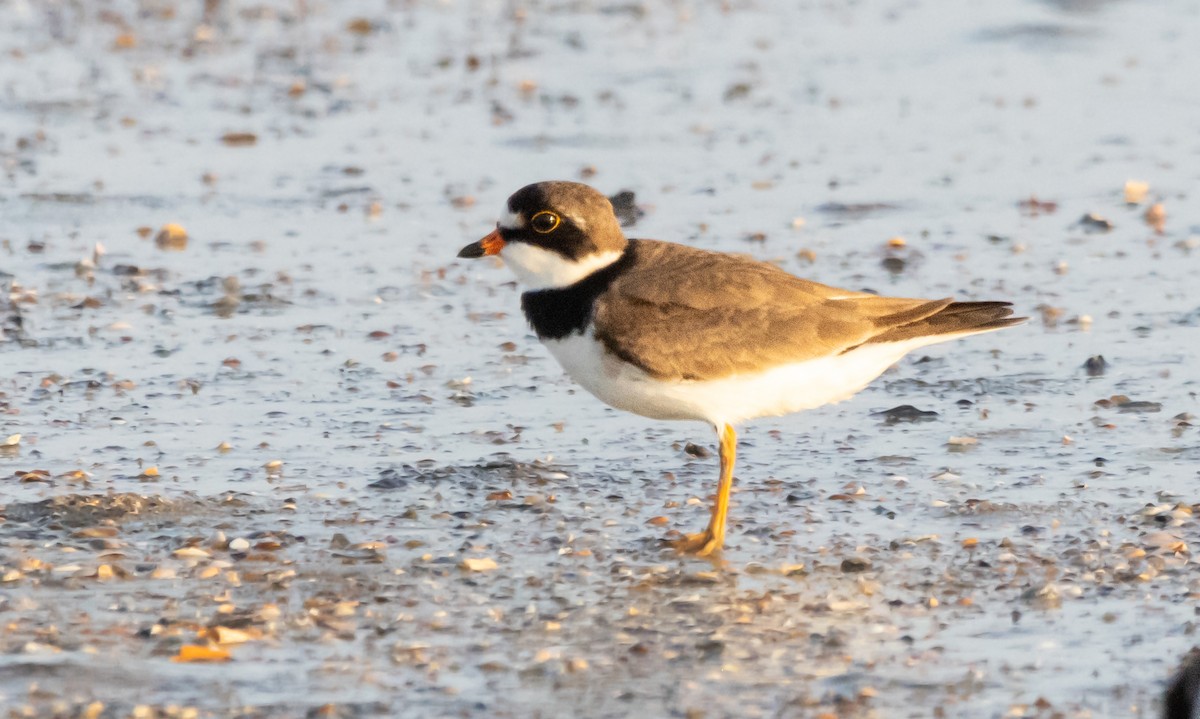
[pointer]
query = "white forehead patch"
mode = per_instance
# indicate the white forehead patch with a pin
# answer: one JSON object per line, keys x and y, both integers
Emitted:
{"x": 511, "y": 220}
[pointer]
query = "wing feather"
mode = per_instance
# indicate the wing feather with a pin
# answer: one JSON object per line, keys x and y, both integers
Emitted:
{"x": 671, "y": 313}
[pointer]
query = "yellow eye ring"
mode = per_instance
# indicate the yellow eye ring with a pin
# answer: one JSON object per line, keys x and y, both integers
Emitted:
{"x": 544, "y": 222}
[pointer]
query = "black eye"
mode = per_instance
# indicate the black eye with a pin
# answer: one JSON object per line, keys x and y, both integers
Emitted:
{"x": 544, "y": 222}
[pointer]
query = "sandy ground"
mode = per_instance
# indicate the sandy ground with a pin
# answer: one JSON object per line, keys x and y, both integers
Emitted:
{"x": 291, "y": 458}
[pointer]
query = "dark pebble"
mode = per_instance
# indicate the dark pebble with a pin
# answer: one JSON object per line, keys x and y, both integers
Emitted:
{"x": 905, "y": 413}
{"x": 855, "y": 564}
{"x": 625, "y": 208}
{"x": 1095, "y": 365}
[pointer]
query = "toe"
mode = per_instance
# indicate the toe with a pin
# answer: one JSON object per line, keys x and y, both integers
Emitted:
{"x": 701, "y": 544}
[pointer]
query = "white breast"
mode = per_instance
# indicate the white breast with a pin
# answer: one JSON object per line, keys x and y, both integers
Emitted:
{"x": 779, "y": 390}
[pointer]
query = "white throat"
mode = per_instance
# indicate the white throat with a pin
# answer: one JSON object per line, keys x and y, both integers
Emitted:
{"x": 541, "y": 269}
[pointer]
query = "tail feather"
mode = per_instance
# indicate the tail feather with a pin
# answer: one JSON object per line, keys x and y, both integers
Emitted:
{"x": 955, "y": 318}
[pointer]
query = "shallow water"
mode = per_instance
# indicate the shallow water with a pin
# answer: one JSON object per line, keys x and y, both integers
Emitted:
{"x": 354, "y": 348}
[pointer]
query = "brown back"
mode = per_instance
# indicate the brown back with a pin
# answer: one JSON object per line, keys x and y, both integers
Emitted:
{"x": 671, "y": 310}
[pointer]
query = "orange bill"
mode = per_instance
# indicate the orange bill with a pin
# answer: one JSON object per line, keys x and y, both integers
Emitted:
{"x": 490, "y": 245}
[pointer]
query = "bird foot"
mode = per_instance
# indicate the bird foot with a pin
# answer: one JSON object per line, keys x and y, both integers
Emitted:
{"x": 701, "y": 544}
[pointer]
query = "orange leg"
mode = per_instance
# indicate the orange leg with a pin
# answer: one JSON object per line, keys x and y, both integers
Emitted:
{"x": 711, "y": 539}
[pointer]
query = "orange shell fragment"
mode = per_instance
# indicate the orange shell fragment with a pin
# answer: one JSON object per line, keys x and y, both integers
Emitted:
{"x": 201, "y": 653}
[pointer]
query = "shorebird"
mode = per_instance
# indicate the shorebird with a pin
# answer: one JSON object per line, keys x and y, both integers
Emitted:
{"x": 674, "y": 332}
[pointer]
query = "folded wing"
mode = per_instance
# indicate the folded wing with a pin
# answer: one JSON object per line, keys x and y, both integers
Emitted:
{"x": 672, "y": 311}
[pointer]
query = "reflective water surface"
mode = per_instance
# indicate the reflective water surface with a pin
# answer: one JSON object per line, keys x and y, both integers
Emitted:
{"x": 297, "y": 433}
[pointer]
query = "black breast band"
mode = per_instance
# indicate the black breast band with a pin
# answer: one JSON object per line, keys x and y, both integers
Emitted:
{"x": 558, "y": 312}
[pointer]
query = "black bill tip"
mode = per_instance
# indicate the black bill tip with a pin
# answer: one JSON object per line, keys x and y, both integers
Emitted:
{"x": 472, "y": 251}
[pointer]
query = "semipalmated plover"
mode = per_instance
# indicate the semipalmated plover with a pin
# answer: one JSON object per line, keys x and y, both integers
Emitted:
{"x": 674, "y": 332}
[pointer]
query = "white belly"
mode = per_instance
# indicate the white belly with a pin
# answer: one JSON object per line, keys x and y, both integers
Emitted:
{"x": 779, "y": 390}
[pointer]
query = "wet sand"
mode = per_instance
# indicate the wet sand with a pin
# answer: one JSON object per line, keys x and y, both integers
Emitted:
{"x": 291, "y": 458}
